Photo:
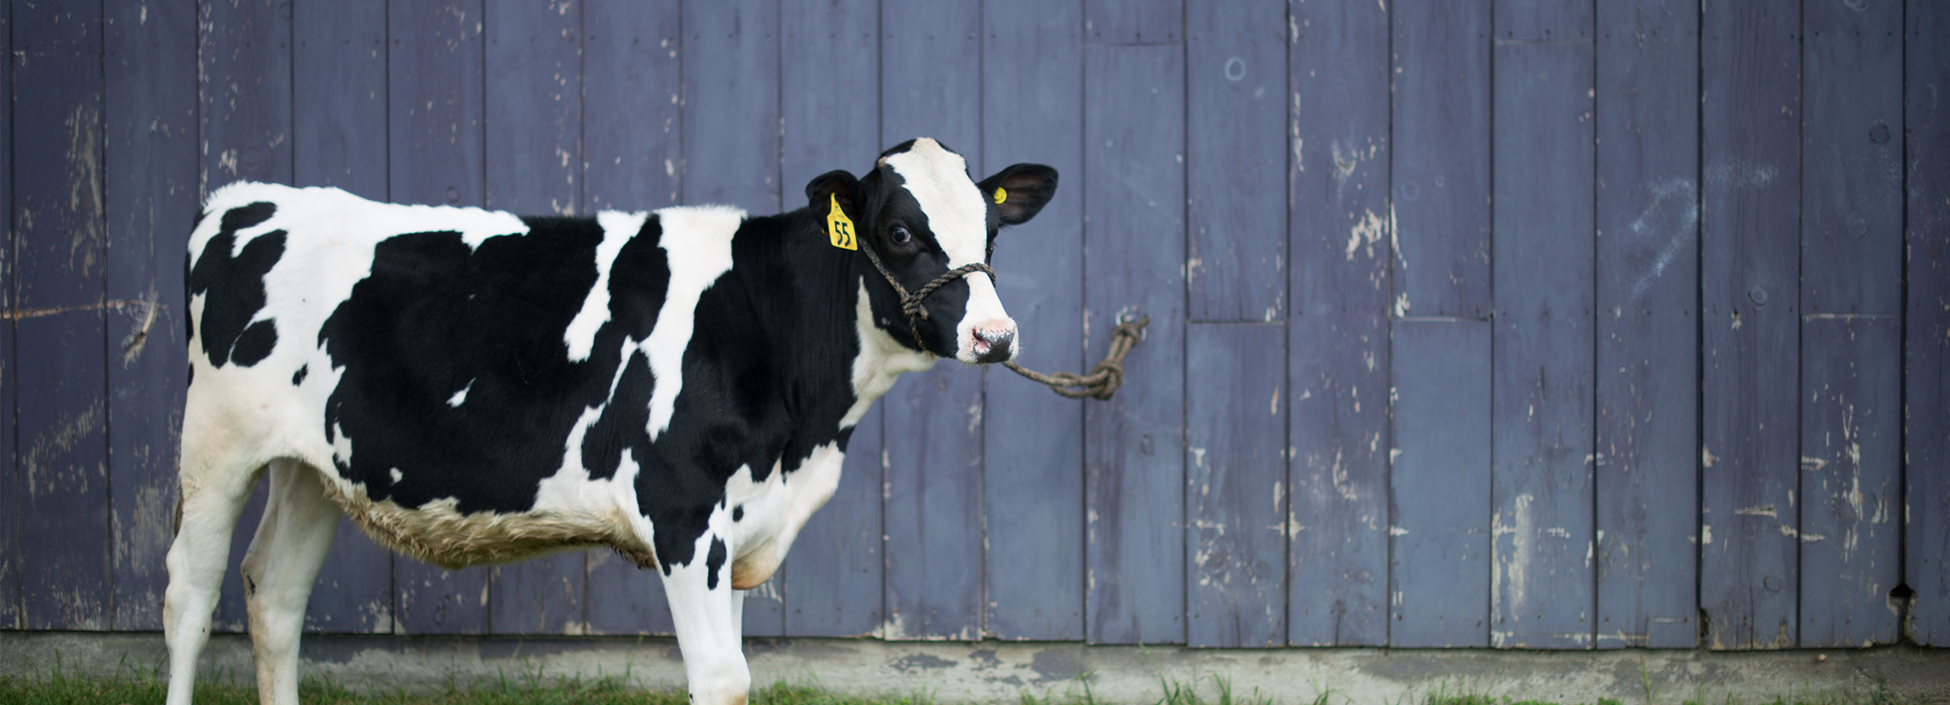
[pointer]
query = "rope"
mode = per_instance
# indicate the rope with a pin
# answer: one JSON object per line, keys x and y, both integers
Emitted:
{"x": 1105, "y": 378}
{"x": 1101, "y": 383}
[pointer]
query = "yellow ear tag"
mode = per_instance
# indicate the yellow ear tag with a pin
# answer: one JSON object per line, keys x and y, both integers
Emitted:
{"x": 839, "y": 228}
{"x": 1000, "y": 196}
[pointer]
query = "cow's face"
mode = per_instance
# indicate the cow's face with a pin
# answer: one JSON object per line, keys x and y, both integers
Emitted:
{"x": 922, "y": 216}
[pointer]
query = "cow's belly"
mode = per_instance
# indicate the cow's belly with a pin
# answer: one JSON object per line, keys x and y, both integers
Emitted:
{"x": 775, "y": 510}
{"x": 571, "y": 513}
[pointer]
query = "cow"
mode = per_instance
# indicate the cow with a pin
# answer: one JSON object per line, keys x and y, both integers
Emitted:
{"x": 475, "y": 387}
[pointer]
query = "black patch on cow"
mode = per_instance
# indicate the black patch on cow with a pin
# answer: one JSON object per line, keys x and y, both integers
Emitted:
{"x": 189, "y": 375}
{"x": 298, "y": 378}
{"x": 255, "y": 343}
{"x": 433, "y": 315}
{"x": 712, "y": 562}
{"x": 234, "y": 288}
{"x": 738, "y": 513}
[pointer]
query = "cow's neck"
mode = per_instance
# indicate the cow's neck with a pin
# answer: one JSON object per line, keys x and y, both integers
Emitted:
{"x": 824, "y": 310}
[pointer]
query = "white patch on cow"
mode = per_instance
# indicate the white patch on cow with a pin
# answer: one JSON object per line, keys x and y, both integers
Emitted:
{"x": 775, "y": 510}
{"x": 958, "y": 216}
{"x": 697, "y": 243}
{"x": 881, "y": 360}
{"x": 618, "y": 228}
{"x": 460, "y": 397}
{"x": 397, "y": 476}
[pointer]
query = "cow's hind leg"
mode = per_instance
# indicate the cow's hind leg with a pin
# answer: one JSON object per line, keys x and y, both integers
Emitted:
{"x": 703, "y": 606}
{"x": 213, "y": 496}
{"x": 279, "y": 569}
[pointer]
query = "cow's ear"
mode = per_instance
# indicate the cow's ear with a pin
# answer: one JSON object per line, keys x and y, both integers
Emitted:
{"x": 1020, "y": 191}
{"x": 836, "y": 184}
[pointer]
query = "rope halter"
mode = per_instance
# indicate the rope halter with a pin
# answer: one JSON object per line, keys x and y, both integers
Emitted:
{"x": 911, "y": 301}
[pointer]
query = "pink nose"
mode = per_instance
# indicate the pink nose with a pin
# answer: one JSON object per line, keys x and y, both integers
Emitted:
{"x": 993, "y": 341}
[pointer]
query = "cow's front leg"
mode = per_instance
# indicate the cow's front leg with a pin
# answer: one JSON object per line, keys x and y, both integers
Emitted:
{"x": 707, "y": 612}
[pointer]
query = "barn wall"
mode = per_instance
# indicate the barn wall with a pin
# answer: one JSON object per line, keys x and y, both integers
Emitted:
{"x": 1505, "y": 323}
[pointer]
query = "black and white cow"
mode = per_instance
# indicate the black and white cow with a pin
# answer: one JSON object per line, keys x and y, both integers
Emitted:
{"x": 476, "y": 387}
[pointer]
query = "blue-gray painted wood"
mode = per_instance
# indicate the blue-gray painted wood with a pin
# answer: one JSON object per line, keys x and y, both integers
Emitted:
{"x": 1750, "y": 321}
{"x": 1441, "y": 127}
{"x": 1235, "y": 110}
{"x": 632, "y": 147}
{"x": 828, "y": 115}
{"x": 730, "y": 60}
{"x": 1543, "y": 586}
{"x": 1439, "y": 481}
{"x": 434, "y": 79}
{"x": 1544, "y": 20}
{"x": 246, "y": 112}
{"x": 1647, "y": 121}
{"x": 1032, "y": 63}
{"x": 150, "y": 133}
{"x": 1134, "y": 244}
{"x": 1337, "y": 344}
{"x": 533, "y": 164}
{"x": 1926, "y": 328}
{"x": 1851, "y": 477}
{"x": 10, "y": 509}
{"x": 933, "y": 418}
{"x": 1851, "y": 370}
{"x": 1852, "y": 178}
{"x": 338, "y": 138}
{"x": 1118, "y": 22}
{"x": 829, "y": 111}
{"x": 1235, "y": 485}
{"x": 59, "y": 354}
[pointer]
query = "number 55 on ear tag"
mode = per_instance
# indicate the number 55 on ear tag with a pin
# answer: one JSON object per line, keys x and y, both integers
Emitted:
{"x": 839, "y": 228}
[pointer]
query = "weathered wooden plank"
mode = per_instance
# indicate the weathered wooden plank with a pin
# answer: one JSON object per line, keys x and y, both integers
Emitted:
{"x": 1134, "y": 461}
{"x": 1337, "y": 345}
{"x": 933, "y": 419}
{"x": 1749, "y": 321}
{"x": 631, "y": 154}
{"x": 731, "y": 149}
{"x": 1236, "y": 64}
{"x": 434, "y": 80}
{"x": 1851, "y": 477}
{"x": 1032, "y": 60}
{"x": 150, "y": 133}
{"x": 59, "y": 355}
{"x": 731, "y": 109}
{"x": 11, "y": 510}
{"x": 1543, "y": 588}
{"x": 1119, "y": 22}
{"x": 1439, "y": 484}
{"x": 1851, "y": 378}
{"x": 829, "y": 119}
{"x": 1926, "y": 323}
{"x": 1235, "y": 485}
{"x": 1544, "y": 20}
{"x": 1852, "y": 181}
{"x": 534, "y": 163}
{"x": 338, "y": 66}
{"x": 1647, "y": 121}
{"x": 1441, "y": 158}
{"x": 245, "y": 92}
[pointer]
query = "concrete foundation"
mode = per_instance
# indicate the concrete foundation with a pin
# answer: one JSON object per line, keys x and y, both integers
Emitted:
{"x": 960, "y": 672}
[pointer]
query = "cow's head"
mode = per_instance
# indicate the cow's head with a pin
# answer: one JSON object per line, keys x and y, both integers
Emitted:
{"x": 920, "y": 216}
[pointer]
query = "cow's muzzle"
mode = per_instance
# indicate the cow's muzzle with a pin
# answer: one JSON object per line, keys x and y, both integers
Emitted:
{"x": 994, "y": 341}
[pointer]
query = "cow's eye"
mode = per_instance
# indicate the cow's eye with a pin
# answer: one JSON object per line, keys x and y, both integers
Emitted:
{"x": 900, "y": 235}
